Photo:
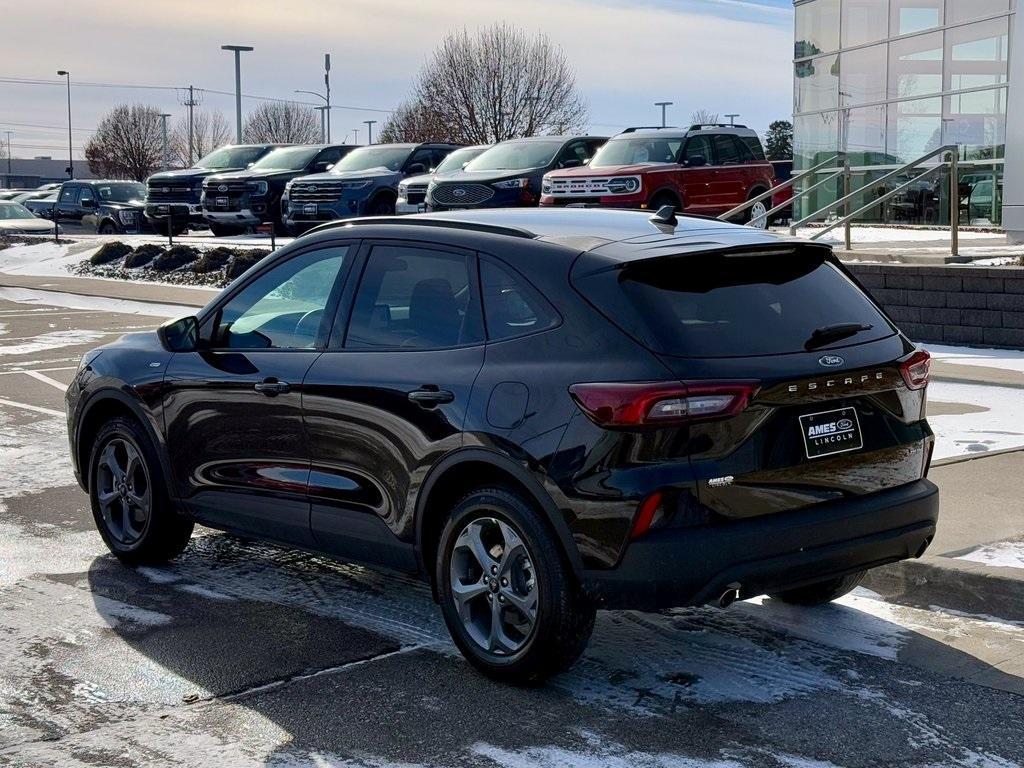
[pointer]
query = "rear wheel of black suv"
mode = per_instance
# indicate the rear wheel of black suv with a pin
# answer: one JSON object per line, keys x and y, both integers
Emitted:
{"x": 129, "y": 497}
{"x": 507, "y": 595}
{"x": 821, "y": 592}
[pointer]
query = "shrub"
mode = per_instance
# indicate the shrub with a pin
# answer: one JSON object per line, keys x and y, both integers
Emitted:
{"x": 242, "y": 260}
{"x": 109, "y": 252}
{"x": 142, "y": 255}
{"x": 174, "y": 257}
{"x": 213, "y": 259}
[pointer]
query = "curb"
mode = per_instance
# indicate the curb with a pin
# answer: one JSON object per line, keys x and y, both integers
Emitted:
{"x": 955, "y": 585}
{"x": 76, "y": 291}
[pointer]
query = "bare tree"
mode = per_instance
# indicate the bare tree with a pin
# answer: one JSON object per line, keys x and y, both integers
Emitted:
{"x": 210, "y": 129}
{"x": 128, "y": 143}
{"x": 282, "y": 122}
{"x": 704, "y": 117}
{"x": 498, "y": 83}
{"x": 412, "y": 122}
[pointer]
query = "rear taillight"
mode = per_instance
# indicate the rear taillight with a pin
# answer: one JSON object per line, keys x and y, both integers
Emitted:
{"x": 915, "y": 369}
{"x": 627, "y": 405}
{"x": 645, "y": 515}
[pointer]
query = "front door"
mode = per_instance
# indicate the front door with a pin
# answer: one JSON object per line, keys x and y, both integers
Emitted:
{"x": 233, "y": 410}
{"x": 390, "y": 396}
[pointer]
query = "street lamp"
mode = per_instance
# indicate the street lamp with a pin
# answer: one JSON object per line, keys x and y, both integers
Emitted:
{"x": 663, "y": 104}
{"x": 327, "y": 83}
{"x": 369, "y": 130}
{"x": 325, "y": 110}
{"x": 167, "y": 152}
{"x": 355, "y": 135}
{"x": 238, "y": 49}
{"x": 732, "y": 118}
{"x": 71, "y": 161}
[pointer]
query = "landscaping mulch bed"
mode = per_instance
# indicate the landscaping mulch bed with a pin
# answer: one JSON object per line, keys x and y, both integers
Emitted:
{"x": 176, "y": 265}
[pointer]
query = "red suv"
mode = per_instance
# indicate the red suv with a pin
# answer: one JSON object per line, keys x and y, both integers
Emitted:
{"x": 708, "y": 169}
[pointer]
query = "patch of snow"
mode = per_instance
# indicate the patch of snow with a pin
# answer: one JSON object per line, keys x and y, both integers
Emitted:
{"x": 74, "y": 301}
{"x": 210, "y": 594}
{"x": 34, "y": 456}
{"x": 894, "y": 235}
{"x": 52, "y": 340}
{"x": 1006, "y": 359}
{"x": 595, "y": 755}
{"x": 114, "y": 612}
{"x": 45, "y": 259}
{"x": 19, "y": 555}
{"x": 998, "y": 427}
{"x": 1003, "y": 554}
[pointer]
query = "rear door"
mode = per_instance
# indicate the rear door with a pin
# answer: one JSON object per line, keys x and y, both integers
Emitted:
{"x": 832, "y": 415}
{"x": 729, "y": 187}
{"x": 67, "y": 208}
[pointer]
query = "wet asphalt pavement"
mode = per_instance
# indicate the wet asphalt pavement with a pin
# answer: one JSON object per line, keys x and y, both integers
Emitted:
{"x": 242, "y": 653}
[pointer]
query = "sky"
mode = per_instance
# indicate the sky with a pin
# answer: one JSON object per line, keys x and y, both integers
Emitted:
{"x": 726, "y": 56}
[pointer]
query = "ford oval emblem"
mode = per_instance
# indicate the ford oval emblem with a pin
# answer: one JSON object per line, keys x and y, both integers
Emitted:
{"x": 844, "y": 425}
{"x": 165, "y": 190}
{"x": 831, "y": 361}
{"x": 311, "y": 188}
{"x": 222, "y": 188}
{"x": 459, "y": 192}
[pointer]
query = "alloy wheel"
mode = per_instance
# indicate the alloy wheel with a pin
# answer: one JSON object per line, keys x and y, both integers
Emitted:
{"x": 123, "y": 491}
{"x": 494, "y": 585}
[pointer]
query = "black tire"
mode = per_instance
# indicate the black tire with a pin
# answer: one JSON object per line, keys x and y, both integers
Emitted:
{"x": 821, "y": 592}
{"x": 382, "y": 205}
{"x": 225, "y": 230}
{"x": 564, "y": 616}
{"x": 164, "y": 534}
{"x": 662, "y": 199}
{"x": 106, "y": 228}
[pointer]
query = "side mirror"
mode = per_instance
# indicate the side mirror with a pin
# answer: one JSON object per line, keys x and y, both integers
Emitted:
{"x": 572, "y": 163}
{"x": 180, "y": 335}
{"x": 697, "y": 161}
{"x": 416, "y": 169}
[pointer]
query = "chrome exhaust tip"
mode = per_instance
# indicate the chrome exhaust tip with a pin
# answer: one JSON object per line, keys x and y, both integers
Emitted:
{"x": 729, "y": 596}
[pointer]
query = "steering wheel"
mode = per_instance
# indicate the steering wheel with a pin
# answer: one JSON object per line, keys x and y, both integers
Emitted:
{"x": 309, "y": 324}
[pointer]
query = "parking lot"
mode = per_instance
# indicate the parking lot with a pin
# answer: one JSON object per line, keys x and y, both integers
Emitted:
{"x": 242, "y": 653}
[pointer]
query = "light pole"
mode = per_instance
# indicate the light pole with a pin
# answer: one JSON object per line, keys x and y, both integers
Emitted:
{"x": 732, "y": 118}
{"x": 9, "y": 156}
{"x": 327, "y": 83}
{"x": 238, "y": 49}
{"x": 167, "y": 151}
{"x": 326, "y": 110}
{"x": 369, "y": 130}
{"x": 71, "y": 161}
{"x": 663, "y": 104}
{"x": 355, "y": 135}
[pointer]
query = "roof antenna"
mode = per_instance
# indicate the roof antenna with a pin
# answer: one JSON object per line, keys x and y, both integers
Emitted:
{"x": 666, "y": 215}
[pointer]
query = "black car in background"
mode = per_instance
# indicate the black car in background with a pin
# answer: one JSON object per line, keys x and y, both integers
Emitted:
{"x": 243, "y": 199}
{"x": 540, "y": 412}
{"x": 509, "y": 174}
{"x": 106, "y": 207}
{"x": 179, "y": 192}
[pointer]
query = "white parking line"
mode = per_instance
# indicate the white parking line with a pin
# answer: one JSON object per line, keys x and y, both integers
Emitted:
{"x": 46, "y": 380}
{"x": 38, "y": 370}
{"x": 27, "y": 407}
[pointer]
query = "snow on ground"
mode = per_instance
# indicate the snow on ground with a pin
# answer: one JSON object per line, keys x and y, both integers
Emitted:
{"x": 998, "y": 427}
{"x": 74, "y": 301}
{"x": 46, "y": 258}
{"x": 909, "y": 235}
{"x": 51, "y": 340}
{"x": 1007, "y": 359}
{"x": 1006, "y": 554}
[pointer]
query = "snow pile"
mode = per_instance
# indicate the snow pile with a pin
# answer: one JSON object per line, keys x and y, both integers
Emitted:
{"x": 1002, "y": 554}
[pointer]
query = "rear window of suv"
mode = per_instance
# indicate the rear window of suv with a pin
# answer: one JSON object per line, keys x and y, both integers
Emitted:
{"x": 733, "y": 305}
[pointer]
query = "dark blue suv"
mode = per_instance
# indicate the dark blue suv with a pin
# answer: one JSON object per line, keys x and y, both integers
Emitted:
{"x": 364, "y": 182}
{"x": 509, "y": 174}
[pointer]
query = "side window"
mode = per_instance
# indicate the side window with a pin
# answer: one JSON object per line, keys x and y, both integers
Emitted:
{"x": 698, "y": 147}
{"x": 593, "y": 145}
{"x": 331, "y": 155}
{"x": 754, "y": 145}
{"x": 512, "y": 307}
{"x": 69, "y": 195}
{"x": 576, "y": 150}
{"x": 439, "y": 155}
{"x": 421, "y": 156}
{"x": 726, "y": 151}
{"x": 86, "y": 196}
{"x": 282, "y": 308}
{"x": 746, "y": 156}
{"x": 415, "y": 298}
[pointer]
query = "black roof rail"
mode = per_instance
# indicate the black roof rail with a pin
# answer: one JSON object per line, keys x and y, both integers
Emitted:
{"x": 473, "y": 226}
{"x": 635, "y": 128}
{"x": 699, "y": 126}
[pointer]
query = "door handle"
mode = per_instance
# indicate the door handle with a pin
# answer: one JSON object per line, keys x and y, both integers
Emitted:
{"x": 271, "y": 387}
{"x": 430, "y": 396}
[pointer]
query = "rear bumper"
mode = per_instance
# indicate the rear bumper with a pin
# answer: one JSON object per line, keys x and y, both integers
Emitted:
{"x": 693, "y": 566}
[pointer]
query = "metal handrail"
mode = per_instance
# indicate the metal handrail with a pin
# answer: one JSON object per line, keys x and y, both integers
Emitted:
{"x": 778, "y": 188}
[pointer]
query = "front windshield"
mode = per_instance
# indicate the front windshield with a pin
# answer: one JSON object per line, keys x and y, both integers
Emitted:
{"x": 122, "y": 193}
{"x": 230, "y": 157}
{"x": 286, "y": 159}
{"x": 365, "y": 158}
{"x": 516, "y": 155}
{"x": 637, "y": 149}
{"x": 458, "y": 158}
{"x": 14, "y": 211}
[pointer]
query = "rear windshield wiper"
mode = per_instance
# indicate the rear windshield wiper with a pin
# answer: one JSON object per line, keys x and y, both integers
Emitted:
{"x": 831, "y": 333}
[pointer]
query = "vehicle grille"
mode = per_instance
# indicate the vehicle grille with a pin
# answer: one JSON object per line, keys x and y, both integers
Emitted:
{"x": 315, "y": 192}
{"x": 416, "y": 194}
{"x": 224, "y": 195}
{"x": 582, "y": 187}
{"x": 170, "y": 192}
{"x": 461, "y": 194}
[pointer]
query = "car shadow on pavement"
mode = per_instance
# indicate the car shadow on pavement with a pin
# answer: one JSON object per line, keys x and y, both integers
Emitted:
{"x": 335, "y": 658}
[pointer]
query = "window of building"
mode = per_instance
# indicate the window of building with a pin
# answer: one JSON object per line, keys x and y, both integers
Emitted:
{"x": 864, "y": 21}
{"x": 915, "y": 66}
{"x": 817, "y": 28}
{"x": 862, "y": 75}
{"x": 965, "y": 10}
{"x": 976, "y": 54}
{"x": 817, "y": 84}
{"x": 815, "y": 139}
{"x": 915, "y": 128}
{"x": 907, "y": 16}
{"x": 863, "y": 135}
{"x": 977, "y": 122}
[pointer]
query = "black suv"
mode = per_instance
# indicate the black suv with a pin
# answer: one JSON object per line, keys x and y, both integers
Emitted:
{"x": 243, "y": 199}
{"x": 107, "y": 207}
{"x": 177, "y": 193}
{"x": 540, "y": 412}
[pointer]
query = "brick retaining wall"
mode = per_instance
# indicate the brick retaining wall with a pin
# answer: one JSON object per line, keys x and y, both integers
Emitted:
{"x": 981, "y": 306}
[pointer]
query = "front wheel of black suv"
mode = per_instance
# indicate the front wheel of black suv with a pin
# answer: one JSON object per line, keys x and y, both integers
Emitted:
{"x": 507, "y": 595}
{"x": 129, "y": 498}
{"x": 821, "y": 592}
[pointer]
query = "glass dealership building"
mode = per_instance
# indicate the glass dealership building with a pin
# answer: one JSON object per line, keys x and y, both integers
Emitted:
{"x": 886, "y": 81}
